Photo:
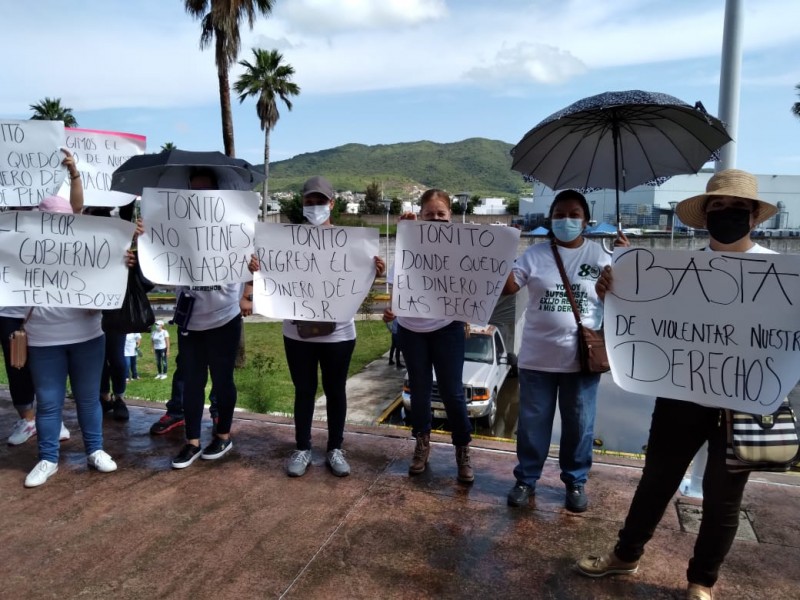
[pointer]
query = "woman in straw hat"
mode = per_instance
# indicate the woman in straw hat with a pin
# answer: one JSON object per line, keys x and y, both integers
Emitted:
{"x": 730, "y": 209}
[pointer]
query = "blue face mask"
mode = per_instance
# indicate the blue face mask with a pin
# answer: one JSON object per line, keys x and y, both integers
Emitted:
{"x": 566, "y": 230}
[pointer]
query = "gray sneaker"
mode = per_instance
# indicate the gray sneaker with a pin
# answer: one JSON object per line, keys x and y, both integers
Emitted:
{"x": 298, "y": 463}
{"x": 337, "y": 463}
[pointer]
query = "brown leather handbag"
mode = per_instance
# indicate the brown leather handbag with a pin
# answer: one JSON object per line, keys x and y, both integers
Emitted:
{"x": 18, "y": 345}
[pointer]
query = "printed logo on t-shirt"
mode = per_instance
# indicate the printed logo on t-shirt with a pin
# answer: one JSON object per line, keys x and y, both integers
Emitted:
{"x": 589, "y": 272}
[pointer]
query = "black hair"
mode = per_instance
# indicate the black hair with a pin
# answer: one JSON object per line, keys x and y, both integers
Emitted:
{"x": 570, "y": 195}
{"x": 127, "y": 212}
{"x": 204, "y": 172}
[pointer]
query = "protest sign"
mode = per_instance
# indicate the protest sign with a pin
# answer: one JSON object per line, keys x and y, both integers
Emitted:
{"x": 313, "y": 273}
{"x": 720, "y": 329}
{"x": 451, "y": 270}
{"x": 30, "y": 161}
{"x": 197, "y": 237}
{"x": 58, "y": 259}
{"x": 97, "y": 155}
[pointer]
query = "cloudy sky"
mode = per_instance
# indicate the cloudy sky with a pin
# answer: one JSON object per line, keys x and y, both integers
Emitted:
{"x": 387, "y": 71}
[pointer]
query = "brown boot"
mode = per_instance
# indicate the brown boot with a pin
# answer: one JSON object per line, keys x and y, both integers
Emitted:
{"x": 421, "y": 453}
{"x": 465, "y": 474}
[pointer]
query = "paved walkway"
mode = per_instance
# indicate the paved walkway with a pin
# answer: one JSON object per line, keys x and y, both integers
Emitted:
{"x": 239, "y": 528}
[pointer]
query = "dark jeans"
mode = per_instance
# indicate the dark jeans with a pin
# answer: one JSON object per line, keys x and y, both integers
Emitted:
{"x": 175, "y": 402}
{"x": 394, "y": 351}
{"x": 333, "y": 360}
{"x": 210, "y": 351}
{"x": 20, "y": 383}
{"x": 115, "y": 365}
{"x": 677, "y": 432}
{"x": 161, "y": 361}
{"x": 443, "y": 351}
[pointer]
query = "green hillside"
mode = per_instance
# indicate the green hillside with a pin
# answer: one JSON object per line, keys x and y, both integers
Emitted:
{"x": 477, "y": 166}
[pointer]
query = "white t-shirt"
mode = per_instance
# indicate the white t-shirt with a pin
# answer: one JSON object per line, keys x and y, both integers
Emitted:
{"x": 344, "y": 331}
{"x": 14, "y": 312}
{"x": 60, "y": 326}
{"x": 213, "y": 307}
{"x": 131, "y": 342}
{"x": 550, "y": 336}
{"x": 159, "y": 339}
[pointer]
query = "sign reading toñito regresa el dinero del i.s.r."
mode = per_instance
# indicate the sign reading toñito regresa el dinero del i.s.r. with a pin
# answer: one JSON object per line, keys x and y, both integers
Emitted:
{"x": 716, "y": 328}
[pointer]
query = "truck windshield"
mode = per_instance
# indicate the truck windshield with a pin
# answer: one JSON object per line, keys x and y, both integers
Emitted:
{"x": 479, "y": 349}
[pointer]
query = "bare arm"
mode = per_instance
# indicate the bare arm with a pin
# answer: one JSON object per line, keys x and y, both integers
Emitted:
{"x": 75, "y": 183}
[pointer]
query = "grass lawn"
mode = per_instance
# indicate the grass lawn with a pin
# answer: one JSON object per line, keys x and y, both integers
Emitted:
{"x": 264, "y": 384}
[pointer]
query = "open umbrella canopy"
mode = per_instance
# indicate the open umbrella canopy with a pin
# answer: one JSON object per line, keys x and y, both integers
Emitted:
{"x": 171, "y": 169}
{"x": 618, "y": 140}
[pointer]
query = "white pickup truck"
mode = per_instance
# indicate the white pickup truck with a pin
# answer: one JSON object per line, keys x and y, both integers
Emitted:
{"x": 487, "y": 364}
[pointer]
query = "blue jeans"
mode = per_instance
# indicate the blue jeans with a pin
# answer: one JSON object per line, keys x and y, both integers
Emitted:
{"x": 131, "y": 372}
{"x": 210, "y": 351}
{"x": 50, "y": 367}
{"x": 677, "y": 431}
{"x": 334, "y": 361}
{"x": 443, "y": 351}
{"x": 576, "y": 395}
{"x": 19, "y": 380}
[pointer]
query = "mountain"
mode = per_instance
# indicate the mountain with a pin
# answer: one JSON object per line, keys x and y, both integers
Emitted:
{"x": 477, "y": 166}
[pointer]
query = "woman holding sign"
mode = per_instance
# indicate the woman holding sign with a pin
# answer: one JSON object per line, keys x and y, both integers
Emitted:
{"x": 549, "y": 369}
{"x": 429, "y": 344}
{"x": 319, "y": 346}
{"x": 730, "y": 209}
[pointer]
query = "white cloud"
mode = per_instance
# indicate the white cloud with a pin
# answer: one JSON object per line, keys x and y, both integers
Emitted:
{"x": 331, "y": 16}
{"x": 526, "y": 60}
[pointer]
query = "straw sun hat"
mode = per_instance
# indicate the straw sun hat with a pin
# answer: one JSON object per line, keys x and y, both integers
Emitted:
{"x": 730, "y": 182}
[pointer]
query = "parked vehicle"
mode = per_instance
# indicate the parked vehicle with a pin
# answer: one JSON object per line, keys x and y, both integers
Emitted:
{"x": 487, "y": 364}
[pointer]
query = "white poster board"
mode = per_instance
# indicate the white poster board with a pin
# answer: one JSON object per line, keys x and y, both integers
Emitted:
{"x": 720, "y": 329}
{"x": 30, "y": 161}
{"x": 313, "y": 273}
{"x": 57, "y": 259}
{"x": 97, "y": 155}
{"x": 195, "y": 237}
{"x": 451, "y": 270}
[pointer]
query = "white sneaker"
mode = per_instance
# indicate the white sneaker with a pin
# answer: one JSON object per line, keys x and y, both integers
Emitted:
{"x": 23, "y": 431}
{"x": 64, "y": 435}
{"x": 101, "y": 461}
{"x": 41, "y": 473}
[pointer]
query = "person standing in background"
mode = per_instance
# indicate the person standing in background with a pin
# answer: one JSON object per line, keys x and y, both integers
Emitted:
{"x": 160, "y": 340}
{"x": 132, "y": 343}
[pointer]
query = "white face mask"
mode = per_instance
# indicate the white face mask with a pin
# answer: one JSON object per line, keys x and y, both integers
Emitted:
{"x": 317, "y": 215}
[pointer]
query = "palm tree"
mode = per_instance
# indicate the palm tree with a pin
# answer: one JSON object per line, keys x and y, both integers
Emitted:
{"x": 796, "y": 105}
{"x": 268, "y": 79}
{"x": 50, "y": 109}
{"x": 220, "y": 22}
{"x": 167, "y": 146}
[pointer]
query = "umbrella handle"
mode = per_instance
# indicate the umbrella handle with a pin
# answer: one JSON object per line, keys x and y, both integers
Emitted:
{"x": 608, "y": 250}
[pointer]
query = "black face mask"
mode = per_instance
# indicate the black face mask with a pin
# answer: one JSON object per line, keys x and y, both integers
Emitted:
{"x": 728, "y": 225}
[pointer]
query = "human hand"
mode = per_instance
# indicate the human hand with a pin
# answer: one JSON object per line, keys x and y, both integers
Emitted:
{"x": 245, "y": 306}
{"x": 388, "y": 315}
{"x": 603, "y": 284}
{"x": 69, "y": 163}
{"x": 139, "y": 228}
{"x": 409, "y": 216}
{"x": 380, "y": 266}
{"x": 253, "y": 265}
{"x": 130, "y": 259}
{"x": 621, "y": 241}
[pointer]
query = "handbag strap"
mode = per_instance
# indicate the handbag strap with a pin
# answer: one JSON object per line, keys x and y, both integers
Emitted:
{"x": 567, "y": 286}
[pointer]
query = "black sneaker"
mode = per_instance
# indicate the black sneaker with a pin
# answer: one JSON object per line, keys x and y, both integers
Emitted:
{"x": 577, "y": 501}
{"x": 217, "y": 449}
{"x": 186, "y": 456}
{"x": 165, "y": 424}
{"x": 520, "y": 494}
{"x": 120, "y": 410}
{"x": 107, "y": 405}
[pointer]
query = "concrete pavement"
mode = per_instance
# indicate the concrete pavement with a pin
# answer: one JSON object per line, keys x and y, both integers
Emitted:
{"x": 240, "y": 528}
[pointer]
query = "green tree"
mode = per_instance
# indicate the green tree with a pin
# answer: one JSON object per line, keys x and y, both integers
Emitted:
{"x": 293, "y": 208}
{"x": 269, "y": 79}
{"x": 167, "y": 146}
{"x": 396, "y": 207}
{"x": 512, "y": 206}
{"x": 220, "y": 22}
{"x": 796, "y": 105}
{"x": 50, "y": 109}
{"x": 372, "y": 199}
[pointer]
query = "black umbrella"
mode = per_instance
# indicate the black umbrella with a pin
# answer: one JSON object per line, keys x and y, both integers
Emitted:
{"x": 173, "y": 167}
{"x": 618, "y": 140}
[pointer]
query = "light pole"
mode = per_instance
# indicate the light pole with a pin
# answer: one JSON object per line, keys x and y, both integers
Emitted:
{"x": 672, "y": 206}
{"x": 463, "y": 201}
{"x": 387, "y": 204}
{"x": 591, "y": 216}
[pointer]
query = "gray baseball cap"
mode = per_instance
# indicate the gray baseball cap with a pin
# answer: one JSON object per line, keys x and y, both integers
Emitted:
{"x": 318, "y": 185}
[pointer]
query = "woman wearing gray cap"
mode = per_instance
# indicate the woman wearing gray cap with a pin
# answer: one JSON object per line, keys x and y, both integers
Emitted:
{"x": 329, "y": 350}
{"x": 730, "y": 210}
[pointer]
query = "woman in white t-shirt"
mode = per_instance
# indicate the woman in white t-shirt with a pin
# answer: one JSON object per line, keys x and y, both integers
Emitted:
{"x": 66, "y": 343}
{"x": 549, "y": 369}
{"x": 132, "y": 343}
{"x": 160, "y": 339}
{"x": 435, "y": 344}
